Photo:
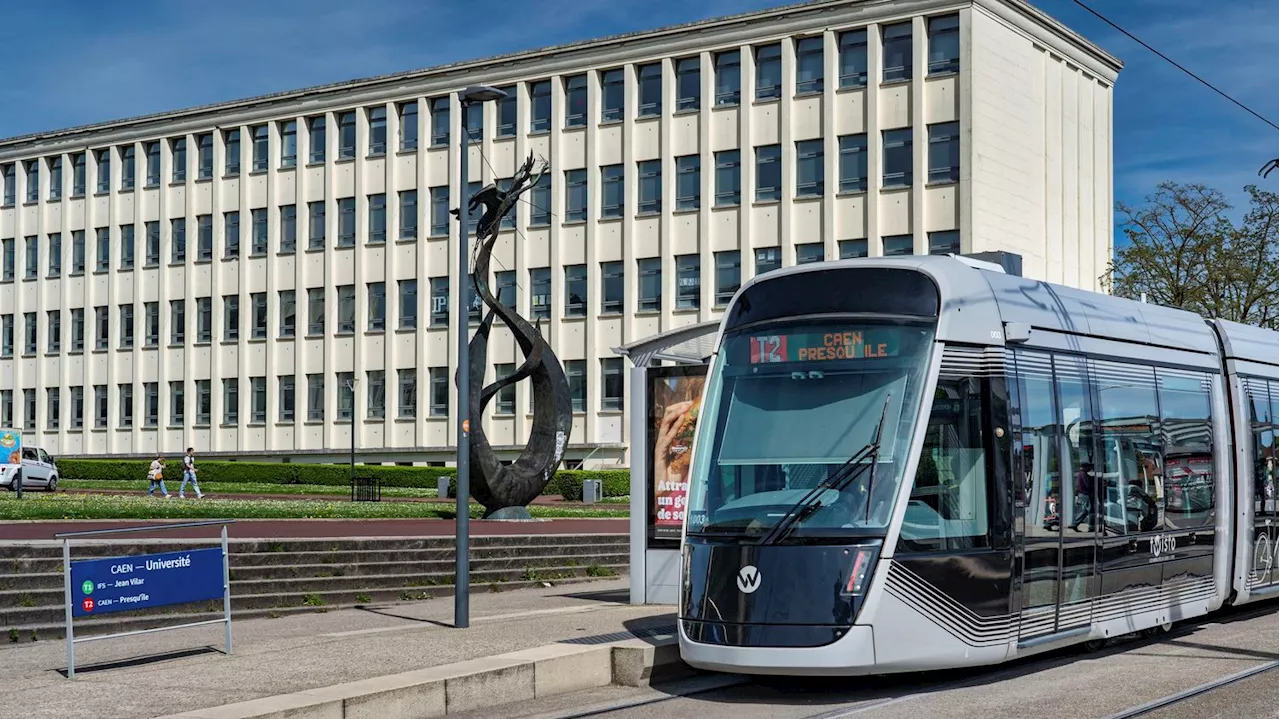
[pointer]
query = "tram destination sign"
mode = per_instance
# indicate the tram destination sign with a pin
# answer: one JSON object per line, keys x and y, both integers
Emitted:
{"x": 850, "y": 344}
{"x": 123, "y": 584}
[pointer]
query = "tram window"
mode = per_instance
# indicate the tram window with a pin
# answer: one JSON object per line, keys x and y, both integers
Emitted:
{"x": 1187, "y": 435}
{"x": 1262, "y": 398}
{"x": 1132, "y": 486}
{"x": 949, "y": 502}
{"x": 1040, "y": 473}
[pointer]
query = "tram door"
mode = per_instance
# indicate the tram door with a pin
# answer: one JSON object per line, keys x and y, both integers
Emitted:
{"x": 1059, "y": 542}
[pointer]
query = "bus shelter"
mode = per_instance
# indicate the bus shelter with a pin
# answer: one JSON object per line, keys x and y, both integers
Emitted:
{"x": 666, "y": 380}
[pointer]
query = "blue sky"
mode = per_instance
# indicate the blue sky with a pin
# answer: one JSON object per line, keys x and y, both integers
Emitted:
{"x": 95, "y": 61}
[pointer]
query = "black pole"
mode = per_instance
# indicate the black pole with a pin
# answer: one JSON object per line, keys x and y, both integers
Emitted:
{"x": 352, "y": 386}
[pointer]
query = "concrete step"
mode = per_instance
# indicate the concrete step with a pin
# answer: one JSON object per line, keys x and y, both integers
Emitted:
{"x": 48, "y": 622}
{"x": 47, "y": 607}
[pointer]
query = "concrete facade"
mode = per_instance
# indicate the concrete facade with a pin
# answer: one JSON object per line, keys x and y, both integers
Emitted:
{"x": 684, "y": 161}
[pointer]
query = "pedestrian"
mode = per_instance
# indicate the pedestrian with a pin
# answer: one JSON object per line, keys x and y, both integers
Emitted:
{"x": 189, "y": 474}
{"x": 156, "y": 475}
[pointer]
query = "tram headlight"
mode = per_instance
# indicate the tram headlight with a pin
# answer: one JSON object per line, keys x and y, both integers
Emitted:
{"x": 862, "y": 562}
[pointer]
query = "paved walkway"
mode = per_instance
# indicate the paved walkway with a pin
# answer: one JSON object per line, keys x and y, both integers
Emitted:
{"x": 548, "y": 500}
{"x": 182, "y": 670}
{"x": 305, "y": 528}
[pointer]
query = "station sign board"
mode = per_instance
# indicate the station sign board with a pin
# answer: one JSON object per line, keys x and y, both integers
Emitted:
{"x": 122, "y": 584}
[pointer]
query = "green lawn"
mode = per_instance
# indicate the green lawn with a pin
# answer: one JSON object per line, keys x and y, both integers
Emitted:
{"x": 39, "y": 505}
{"x": 231, "y": 489}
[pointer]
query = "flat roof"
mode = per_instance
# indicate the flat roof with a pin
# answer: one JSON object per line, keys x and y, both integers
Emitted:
{"x": 535, "y": 54}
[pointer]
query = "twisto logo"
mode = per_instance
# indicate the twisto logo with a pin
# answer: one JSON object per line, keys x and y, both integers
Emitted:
{"x": 748, "y": 579}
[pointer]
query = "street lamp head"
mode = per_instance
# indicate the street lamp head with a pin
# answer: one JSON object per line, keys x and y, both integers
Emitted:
{"x": 482, "y": 93}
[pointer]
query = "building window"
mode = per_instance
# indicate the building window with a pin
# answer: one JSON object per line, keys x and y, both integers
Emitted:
{"x": 688, "y": 282}
{"x": 768, "y": 173}
{"x": 506, "y": 287}
{"x": 853, "y": 58}
{"x": 258, "y": 220}
{"x": 769, "y": 72}
{"x": 316, "y": 136}
{"x": 377, "y": 305}
{"x": 408, "y": 214}
{"x": 809, "y": 71}
{"x": 728, "y": 276}
{"x": 230, "y": 318}
{"x": 943, "y": 243}
{"x": 688, "y": 182}
{"x": 375, "y": 394}
{"x": 897, "y": 158}
{"x": 231, "y": 401}
{"x": 575, "y": 371}
{"x": 6, "y": 408}
{"x": 439, "y": 121}
{"x": 474, "y": 123}
{"x": 6, "y": 336}
{"x": 895, "y": 245}
{"x": 377, "y": 232}
{"x": 810, "y": 252}
{"x": 439, "y": 391}
{"x": 650, "y": 190}
{"x": 315, "y": 397}
{"x": 315, "y": 225}
{"x": 152, "y": 249}
{"x": 204, "y": 238}
{"x": 407, "y": 405}
{"x": 612, "y": 191}
{"x": 177, "y": 402}
{"x": 55, "y": 175}
{"x": 575, "y": 291}
{"x": 127, "y": 247}
{"x": 10, "y": 184}
{"x": 575, "y": 200}
{"x": 768, "y": 259}
{"x": 853, "y": 163}
{"x": 231, "y": 144}
{"x": 540, "y": 292}
{"x": 128, "y": 172}
{"x": 52, "y": 411}
{"x": 809, "y": 170}
{"x": 346, "y": 309}
{"x": 439, "y": 211}
{"x": 289, "y": 144}
{"x": 204, "y": 402}
{"x": 507, "y": 120}
{"x": 151, "y": 324}
{"x": 288, "y": 398}
{"x": 150, "y": 404}
{"x": 257, "y": 400}
{"x": 102, "y": 158}
{"x": 29, "y": 333}
{"x": 178, "y": 240}
{"x": 77, "y": 252}
{"x": 896, "y": 49}
{"x": 126, "y": 405}
{"x": 540, "y": 202}
{"x": 613, "y": 98}
{"x": 55, "y": 254}
{"x": 54, "y": 320}
{"x": 258, "y": 315}
{"x": 540, "y": 106}
{"x": 231, "y": 234}
{"x": 649, "y": 79}
{"x": 347, "y": 222}
{"x": 315, "y": 311}
{"x": 575, "y": 101}
{"x": 204, "y": 156}
{"x": 78, "y": 171}
{"x": 104, "y": 251}
{"x": 650, "y": 285}
{"x": 31, "y": 257}
{"x": 347, "y": 135}
{"x": 178, "y": 153}
{"x": 177, "y": 322}
{"x": 408, "y": 125}
{"x": 408, "y": 304}
{"x": 439, "y": 301}
{"x": 505, "y": 402}
{"x": 288, "y": 313}
{"x": 944, "y": 152}
{"x": 688, "y": 84}
{"x": 377, "y": 130}
{"x": 728, "y": 77}
{"x": 728, "y": 178}
{"x": 29, "y": 408}
{"x": 612, "y": 293}
{"x": 10, "y": 259}
{"x": 850, "y": 249}
{"x": 126, "y": 326}
{"x": 288, "y": 229}
{"x": 261, "y": 141}
{"x": 611, "y": 384}
{"x": 944, "y": 44}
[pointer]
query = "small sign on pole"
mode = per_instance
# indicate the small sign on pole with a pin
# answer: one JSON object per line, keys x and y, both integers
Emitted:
{"x": 142, "y": 581}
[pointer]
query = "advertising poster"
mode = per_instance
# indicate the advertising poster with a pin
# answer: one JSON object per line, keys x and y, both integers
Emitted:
{"x": 10, "y": 447}
{"x": 675, "y": 396}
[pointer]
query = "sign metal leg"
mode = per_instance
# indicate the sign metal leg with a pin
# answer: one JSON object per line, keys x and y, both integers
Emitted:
{"x": 226, "y": 585}
{"x": 66, "y": 590}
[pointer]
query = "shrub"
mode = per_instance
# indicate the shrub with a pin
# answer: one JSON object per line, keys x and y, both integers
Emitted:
{"x": 567, "y": 482}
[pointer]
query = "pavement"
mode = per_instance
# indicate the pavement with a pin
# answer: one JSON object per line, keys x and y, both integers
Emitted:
{"x": 308, "y": 528}
{"x": 548, "y": 500}
{"x": 184, "y": 670}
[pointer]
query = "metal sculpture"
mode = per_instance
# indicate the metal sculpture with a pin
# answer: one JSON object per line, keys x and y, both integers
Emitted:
{"x": 506, "y": 490}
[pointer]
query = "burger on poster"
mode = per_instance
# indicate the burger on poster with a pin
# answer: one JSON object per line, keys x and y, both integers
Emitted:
{"x": 678, "y": 453}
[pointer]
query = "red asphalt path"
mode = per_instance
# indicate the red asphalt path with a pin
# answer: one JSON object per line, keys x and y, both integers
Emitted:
{"x": 310, "y": 528}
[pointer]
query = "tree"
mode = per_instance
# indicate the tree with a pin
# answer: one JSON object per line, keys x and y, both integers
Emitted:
{"x": 1185, "y": 252}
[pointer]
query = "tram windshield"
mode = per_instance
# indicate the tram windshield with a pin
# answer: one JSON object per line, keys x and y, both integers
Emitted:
{"x": 787, "y": 406}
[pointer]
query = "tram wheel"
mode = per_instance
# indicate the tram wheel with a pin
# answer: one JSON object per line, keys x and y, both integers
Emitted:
{"x": 1094, "y": 645}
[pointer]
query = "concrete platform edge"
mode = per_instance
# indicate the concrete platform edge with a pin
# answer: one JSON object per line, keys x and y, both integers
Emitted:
{"x": 466, "y": 686}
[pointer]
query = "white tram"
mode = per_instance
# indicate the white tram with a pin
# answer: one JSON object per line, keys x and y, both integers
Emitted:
{"x": 925, "y": 462}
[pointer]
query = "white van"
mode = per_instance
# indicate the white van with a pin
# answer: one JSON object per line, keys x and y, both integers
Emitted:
{"x": 39, "y": 471}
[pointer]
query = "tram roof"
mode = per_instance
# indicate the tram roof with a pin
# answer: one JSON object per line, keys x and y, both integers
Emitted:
{"x": 1250, "y": 343}
{"x": 975, "y": 301}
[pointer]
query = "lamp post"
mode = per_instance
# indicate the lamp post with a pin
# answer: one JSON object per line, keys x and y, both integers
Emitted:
{"x": 351, "y": 387}
{"x": 478, "y": 94}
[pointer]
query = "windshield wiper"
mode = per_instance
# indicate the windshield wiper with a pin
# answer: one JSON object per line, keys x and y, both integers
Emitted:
{"x": 846, "y": 473}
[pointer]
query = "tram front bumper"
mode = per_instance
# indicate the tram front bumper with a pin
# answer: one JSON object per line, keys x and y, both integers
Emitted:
{"x": 852, "y": 654}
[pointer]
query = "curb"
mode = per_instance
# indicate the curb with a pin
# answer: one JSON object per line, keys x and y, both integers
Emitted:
{"x": 467, "y": 686}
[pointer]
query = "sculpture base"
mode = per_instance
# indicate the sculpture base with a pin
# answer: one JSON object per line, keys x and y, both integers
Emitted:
{"x": 511, "y": 514}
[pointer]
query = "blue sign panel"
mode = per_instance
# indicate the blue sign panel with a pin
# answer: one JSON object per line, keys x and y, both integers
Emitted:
{"x": 122, "y": 584}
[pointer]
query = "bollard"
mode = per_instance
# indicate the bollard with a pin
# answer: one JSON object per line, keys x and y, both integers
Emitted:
{"x": 592, "y": 491}
{"x": 442, "y": 487}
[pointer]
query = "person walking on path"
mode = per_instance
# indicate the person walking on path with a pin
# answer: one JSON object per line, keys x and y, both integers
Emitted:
{"x": 189, "y": 474}
{"x": 156, "y": 475}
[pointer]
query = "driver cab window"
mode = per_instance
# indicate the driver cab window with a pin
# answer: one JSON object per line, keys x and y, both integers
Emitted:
{"x": 949, "y": 504}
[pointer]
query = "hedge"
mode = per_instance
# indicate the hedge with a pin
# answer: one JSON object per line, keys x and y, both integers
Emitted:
{"x": 566, "y": 482}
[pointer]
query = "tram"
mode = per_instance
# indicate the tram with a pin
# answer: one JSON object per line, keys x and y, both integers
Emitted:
{"x": 921, "y": 463}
